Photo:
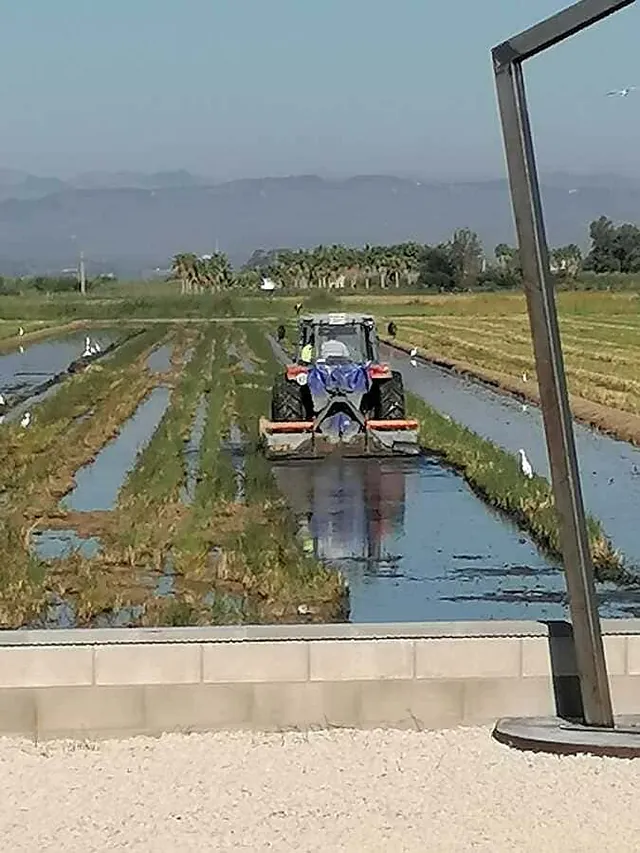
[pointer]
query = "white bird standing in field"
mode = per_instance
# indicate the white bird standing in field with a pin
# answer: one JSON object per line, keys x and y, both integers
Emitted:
{"x": 525, "y": 465}
{"x": 525, "y": 378}
{"x": 21, "y": 331}
{"x": 414, "y": 352}
{"x": 26, "y": 420}
{"x": 621, "y": 93}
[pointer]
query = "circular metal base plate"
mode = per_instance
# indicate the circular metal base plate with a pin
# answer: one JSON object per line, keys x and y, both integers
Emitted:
{"x": 562, "y": 737}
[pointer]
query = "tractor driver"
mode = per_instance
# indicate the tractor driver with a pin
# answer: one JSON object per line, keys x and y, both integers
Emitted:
{"x": 333, "y": 348}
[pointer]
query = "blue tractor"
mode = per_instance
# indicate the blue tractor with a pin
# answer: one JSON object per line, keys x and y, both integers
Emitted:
{"x": 336, "y": 395}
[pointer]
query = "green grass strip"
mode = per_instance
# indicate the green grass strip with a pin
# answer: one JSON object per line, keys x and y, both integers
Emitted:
{"x": 160, "y": 470}
{"x": 58, "y": 418}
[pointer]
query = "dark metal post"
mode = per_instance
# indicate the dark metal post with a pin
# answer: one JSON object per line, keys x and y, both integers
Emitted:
{"x": 554, "y": 401}
{"x": 534, "y": 257}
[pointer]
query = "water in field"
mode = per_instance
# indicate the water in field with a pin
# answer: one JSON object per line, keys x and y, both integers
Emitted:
{"x": 610, "y": 469}
{"x": 22, "y": 372}
{"x": 58, "y": 544}
{"x": 98, "y": 484}
{"x": 417, "y": 545}
{"x": 192, "y": 450}
{"x": 159, "y": 360}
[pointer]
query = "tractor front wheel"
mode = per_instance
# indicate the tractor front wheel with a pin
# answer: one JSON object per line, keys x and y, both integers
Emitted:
{"x": 286, "y": 401}
{"x": 391, "y": 401}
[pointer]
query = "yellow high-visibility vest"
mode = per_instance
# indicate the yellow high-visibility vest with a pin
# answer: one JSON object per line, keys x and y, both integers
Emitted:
{"x": 306, "y": 353}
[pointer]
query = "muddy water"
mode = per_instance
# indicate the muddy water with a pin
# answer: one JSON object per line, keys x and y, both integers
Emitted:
{"x": 42, "y": 360}
{"x": 159, "y": 361}
{"x": 234, "y": 446}
{"x": 610, "y": 469}
{"x": 98, "y": 484}
{"x": 416, "y": 544}
{"x": 192, "y": 450}
{"x": 57, "y": 544}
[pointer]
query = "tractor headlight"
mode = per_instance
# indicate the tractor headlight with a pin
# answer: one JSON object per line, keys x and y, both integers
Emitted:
{"x": 301, "y": 379}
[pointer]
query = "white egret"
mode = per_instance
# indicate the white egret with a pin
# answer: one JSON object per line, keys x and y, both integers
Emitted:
{"x": 621, "y": 93}
{"x": 414, "y": 352}
{"x": 525, "y": 378}
{"x": 525, "y": 465}
{"x": 3, "y": 402}
{"x": 21, "y": 331}
{"x": 26, "y": 419}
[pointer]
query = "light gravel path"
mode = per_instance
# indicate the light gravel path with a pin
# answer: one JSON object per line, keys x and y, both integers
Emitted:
{"x": 330, "y": 792}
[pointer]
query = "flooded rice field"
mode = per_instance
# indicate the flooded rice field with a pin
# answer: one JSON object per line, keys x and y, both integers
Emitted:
{"x": 57, "y": 544}
{"x": 191, "y": 451}
{"x": 98, "y": 484}
{"x": 196, "y": 533}
{"x": 159, "y": 361}
{"x": 417, "y": 545}
{"x": 34, "y": 364}
{"x": 610, "y": 469}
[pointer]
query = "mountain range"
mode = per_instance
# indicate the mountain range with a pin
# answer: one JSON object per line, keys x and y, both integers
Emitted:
{"x": 131, "y": 222}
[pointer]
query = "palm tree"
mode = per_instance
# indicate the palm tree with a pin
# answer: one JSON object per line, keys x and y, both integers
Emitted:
{"x": 183, "y": 267}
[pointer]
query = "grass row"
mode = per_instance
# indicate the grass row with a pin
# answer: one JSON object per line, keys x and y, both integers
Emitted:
{"x": 87, "y": 405}
{"x": 494, "y": 474}
{"x": 579, "y": 350}
{"x": 38, "y": 465}
{"x": 117, "y": 586}
{"x": 148, "y": 498}
{"x": 283, "y": 576}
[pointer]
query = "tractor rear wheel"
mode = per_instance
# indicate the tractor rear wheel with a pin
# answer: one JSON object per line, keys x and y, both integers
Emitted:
{"x": 286, "y": 401}
{"x": 391, "y": 401}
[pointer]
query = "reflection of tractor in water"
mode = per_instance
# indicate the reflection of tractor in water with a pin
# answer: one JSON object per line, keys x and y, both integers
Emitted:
{"x": 348, "y": 508}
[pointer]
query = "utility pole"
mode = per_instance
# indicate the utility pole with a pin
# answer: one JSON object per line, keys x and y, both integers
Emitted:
{"x": 83, "y": 277}
{"x": 597, "y": 731}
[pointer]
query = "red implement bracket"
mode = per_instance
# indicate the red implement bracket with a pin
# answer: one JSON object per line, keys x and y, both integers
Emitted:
{"x": 406, "y": 424}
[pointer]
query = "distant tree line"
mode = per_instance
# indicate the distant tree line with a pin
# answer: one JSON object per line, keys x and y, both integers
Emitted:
{"x": 49, "y": 284}
{"x": 455, "y": 265}
{"x": 614, "y": 249}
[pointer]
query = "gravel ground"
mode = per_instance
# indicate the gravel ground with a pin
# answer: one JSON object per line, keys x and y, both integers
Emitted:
{"x": 361, "y": 792}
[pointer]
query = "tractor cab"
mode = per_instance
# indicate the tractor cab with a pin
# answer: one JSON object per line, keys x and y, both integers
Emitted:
{"x": 337, "y": 339}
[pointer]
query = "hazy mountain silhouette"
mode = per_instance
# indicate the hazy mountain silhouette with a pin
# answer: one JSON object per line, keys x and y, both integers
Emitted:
{"x": 132, "y": 221}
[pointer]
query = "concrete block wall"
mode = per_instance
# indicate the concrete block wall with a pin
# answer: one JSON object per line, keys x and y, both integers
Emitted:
{"x": 122, "y": 682}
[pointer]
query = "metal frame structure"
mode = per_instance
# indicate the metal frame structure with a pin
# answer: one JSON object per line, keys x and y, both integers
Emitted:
{"x": 508, "y": 58}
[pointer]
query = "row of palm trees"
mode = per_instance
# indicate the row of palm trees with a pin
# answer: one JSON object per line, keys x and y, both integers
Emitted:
{"x": 461, "y": 258}
{"x": 335, "y": 266}
{"x": 345, "y": 266}
{"x": 200, "y": 273}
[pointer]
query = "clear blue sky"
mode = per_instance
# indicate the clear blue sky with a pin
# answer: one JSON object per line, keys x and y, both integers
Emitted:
{"x": 233, "y": 88}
